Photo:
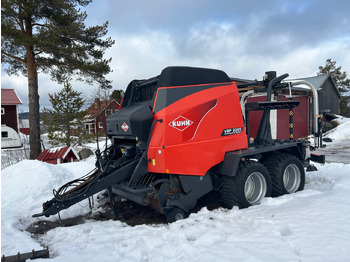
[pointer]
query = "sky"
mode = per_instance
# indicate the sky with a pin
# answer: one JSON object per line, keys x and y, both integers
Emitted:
{"x": 243, "y": 38}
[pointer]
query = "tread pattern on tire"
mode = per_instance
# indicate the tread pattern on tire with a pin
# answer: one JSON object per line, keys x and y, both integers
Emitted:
{"x": 275, "y": 165}
{"x": 225, "y": 189}
{"x": 232, "y": 188}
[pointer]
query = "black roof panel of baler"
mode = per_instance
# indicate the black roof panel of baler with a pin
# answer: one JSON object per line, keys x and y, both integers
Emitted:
{"x": 188, "y": 80}
{"x": 143, "y": 90}
{"x": 184, "y": 76}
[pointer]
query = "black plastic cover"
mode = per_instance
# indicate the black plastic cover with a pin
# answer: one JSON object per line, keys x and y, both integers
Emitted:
{"x": 144, "y": 90}
{"x": 141, "y": 122}
{"x": 184, "y": 75}
{"x": 130, "y": 122}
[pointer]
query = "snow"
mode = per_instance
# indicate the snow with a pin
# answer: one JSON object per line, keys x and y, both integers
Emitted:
{"x": 338, "y": 151}
{"x": 55, "y": 149}
{"x": 311, "y": 225}
{"x": 24, "y": 187}
{"x": 341, "y": 132}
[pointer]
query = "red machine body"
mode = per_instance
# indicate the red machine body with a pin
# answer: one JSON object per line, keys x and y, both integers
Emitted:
{"x": 197, "y": 129}
{"x": 180, "y": 136}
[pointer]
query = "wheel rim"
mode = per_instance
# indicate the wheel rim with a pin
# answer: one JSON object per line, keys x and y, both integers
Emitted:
{"x": 255, "y": 188}
{"x": 179, "y": 216}
{"x": 291, "y": 178}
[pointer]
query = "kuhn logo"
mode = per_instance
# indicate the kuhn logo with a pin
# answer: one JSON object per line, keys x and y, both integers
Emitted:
{"x": 125, "y": 127}
{"x": 180, "y": 123}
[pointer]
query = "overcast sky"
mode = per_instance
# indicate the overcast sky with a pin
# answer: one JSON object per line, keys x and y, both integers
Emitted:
{"x": 243, "y": 38}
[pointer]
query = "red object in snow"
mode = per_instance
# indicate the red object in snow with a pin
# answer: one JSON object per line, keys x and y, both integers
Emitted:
{"x": 9, "y": 110}
{"x": 58, "y": 155}
{"x": 199, "y": 128}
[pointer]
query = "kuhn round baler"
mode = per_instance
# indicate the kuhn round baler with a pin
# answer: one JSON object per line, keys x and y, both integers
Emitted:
{"x": 181, "y": 135}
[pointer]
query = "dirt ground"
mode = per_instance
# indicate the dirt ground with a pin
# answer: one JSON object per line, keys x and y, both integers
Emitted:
{"x": 129, "y": 212}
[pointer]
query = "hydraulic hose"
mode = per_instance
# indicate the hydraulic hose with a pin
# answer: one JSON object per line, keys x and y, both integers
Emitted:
{"x": 272, "y": 83}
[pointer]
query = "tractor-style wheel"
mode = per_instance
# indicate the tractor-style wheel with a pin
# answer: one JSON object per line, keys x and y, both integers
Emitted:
{"x": 175, "y": 214}
{"x": 248, "y": 187}
{"x": 287, "y": 174}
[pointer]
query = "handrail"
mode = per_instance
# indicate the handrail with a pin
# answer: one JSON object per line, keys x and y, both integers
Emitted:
{"x": 315, "y": 94}
{"x": 244, "y": 96}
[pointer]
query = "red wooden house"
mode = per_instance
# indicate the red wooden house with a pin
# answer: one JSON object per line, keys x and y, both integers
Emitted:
{"x": 9, "y": 111}
{"x": 97, "y": 114}
{"x": 58, "y": 155}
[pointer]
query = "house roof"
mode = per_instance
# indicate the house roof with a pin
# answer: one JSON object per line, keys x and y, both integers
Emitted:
{"x": 55, "y": 153}
{"x": 9, "y": 97}
{"x": 98, "y": 106}
{"x": 318, "y": 81}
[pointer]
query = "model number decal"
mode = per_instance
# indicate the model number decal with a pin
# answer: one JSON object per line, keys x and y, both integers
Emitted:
{"x": 231, "y": 131}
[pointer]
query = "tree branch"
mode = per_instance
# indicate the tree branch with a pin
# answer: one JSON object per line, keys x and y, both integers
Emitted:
{"x": 37, "y": 24}
{"x": 45, "y": 62}
{"x": 20, "y": 22}
{"x": 13, "y": 57}
{"x": 37, "y": 52}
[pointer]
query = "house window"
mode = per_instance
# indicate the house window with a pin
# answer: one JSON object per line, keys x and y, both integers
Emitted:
{"x": 4, "y": 134}
{"x": 90, "y": 128}
{"x": 100, "y": 125}
{"x": 108, "y": 112}
{"x": 3, "y": 111}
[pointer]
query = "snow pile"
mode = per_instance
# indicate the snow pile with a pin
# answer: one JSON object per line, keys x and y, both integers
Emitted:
{"x": 24, "y": 187}
{"x": 340, "y": 132}
{"x": 311, "y": 225}
{"x": 338, "y": 150}
{"x": 341, "y": 119}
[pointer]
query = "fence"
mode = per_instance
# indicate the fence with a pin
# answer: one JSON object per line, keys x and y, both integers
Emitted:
{"x": 13, "y": 156}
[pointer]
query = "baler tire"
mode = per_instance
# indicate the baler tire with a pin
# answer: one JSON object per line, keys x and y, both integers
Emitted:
{"x": 248, "y": 187}
{"x": 225, "y": 189}
{"x": 287, "y": 174}
{"x": 175, "y": 214}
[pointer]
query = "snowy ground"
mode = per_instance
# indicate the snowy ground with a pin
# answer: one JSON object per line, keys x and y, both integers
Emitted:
{"x": 311, "y": 225}
{"x": 338, "y": 151}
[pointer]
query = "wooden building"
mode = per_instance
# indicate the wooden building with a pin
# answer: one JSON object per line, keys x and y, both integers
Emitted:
{"x": 58, "y": 155}
{"x": 9, "y": 111}
{"x": 328, "y": 93}
{"x": 97, "y": 114}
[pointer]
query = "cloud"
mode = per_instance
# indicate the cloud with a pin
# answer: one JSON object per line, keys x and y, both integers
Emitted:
{"x": 46, "y": 87}
{"x": 243, "y": 38}
{"x": 145, "y": 55}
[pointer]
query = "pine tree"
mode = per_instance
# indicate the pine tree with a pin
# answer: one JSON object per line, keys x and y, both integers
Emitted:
{"x": 66, "y": 120}
{"x": 342, "y": 83}
{"x": 117, "y": 95}
{"x": 51, "y": 37}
